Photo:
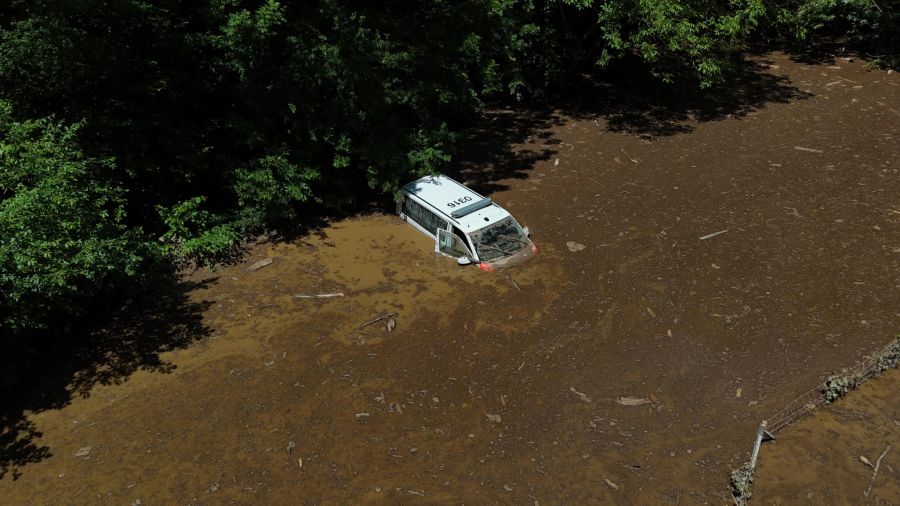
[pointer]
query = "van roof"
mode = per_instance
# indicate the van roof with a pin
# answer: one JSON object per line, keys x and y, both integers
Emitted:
{"x": 440, "y": 191}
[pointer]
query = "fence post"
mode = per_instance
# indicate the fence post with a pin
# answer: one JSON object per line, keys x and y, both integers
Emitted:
{"x": 759, "y": 435}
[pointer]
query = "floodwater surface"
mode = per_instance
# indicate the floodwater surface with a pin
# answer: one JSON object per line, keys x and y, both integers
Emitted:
{"x": 821, "y": 454}
{"x": 734, "y": 252}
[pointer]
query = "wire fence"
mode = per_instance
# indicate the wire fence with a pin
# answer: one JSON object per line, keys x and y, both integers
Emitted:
{"x": 796, "y": 409}
{"x": 834, "y": 387}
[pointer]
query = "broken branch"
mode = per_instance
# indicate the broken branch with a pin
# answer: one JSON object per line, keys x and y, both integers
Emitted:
{"x": 376, "y": 320}
{"x": 710, "y": 236}
{"x": 511, "y": 281}
{"x": 320, "y": 296}
{"x": 875, "y": 471}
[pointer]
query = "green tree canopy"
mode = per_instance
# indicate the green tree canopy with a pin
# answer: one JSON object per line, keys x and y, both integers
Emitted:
{"x": 63, "y": 227}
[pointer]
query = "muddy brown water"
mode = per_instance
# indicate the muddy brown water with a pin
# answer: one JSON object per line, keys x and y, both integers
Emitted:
{"x": 485, "y": 393}
{"x": 823, "y": 452}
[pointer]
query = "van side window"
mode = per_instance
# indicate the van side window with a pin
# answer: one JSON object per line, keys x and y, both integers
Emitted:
{"x": 425, "y": 218}
{"x": 451, "y": 245}
{"x": 462, "y": 237}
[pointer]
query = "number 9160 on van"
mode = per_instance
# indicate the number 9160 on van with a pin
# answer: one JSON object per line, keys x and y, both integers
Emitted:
{"x": 464, "y": 225}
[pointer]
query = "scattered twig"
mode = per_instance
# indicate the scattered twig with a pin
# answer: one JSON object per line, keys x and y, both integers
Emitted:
{"x": 864, "y": 460}
{"x": 583, "y": 397}
{"x": 86, "y": 426}
{"x": 320, "y": 296}
{"x": 511, "y": 281}
{"x": 633, "y": 401}
{"x": 875, "y": 471}
{"x": 710, "y": 236}
{"x": 376, "y": 320}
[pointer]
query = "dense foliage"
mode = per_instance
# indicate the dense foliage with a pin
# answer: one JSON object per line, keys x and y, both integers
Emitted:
{"x": 871, "y": 25}
{"x": 62, "y": 225}
{"x": 142, "y": 131}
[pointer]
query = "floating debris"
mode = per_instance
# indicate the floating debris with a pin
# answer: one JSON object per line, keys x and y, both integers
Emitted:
{"x": 260, "y": 264}
{"x": 320, "y": 296}
{"x": 633, "y": 401}
{"x": 580, "y": 395}
{"x": 710, "y": 236}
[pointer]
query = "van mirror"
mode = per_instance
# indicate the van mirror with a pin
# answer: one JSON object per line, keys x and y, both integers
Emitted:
{"x": 464, "y": 260}
{"x": 527, "y": 232}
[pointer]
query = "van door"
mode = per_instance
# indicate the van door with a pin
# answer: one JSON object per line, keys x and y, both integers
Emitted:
{"x": 465, "y": 240}
{"x": 452, "y": 246}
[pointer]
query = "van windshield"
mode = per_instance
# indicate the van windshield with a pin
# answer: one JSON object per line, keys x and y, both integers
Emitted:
{"x": 501, "y": 239}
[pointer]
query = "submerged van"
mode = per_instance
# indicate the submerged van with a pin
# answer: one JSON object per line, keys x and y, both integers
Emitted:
{"x": 464, "y": 224}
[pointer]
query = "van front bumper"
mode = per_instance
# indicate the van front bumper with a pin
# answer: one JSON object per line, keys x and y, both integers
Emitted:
{"x": 508, "y": 261}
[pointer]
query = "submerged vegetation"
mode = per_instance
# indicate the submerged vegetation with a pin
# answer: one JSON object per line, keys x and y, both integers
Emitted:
{"x": 135, "y": 134}
{"x": 840, "y": 384}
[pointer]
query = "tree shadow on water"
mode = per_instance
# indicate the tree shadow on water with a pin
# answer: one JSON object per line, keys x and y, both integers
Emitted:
{"x": 120, "y": 339}
{"x": 17, "y": 445}
{"x": 509, "y": 143}
{"x": 493, "y": 151}
{"x": 640, "y": 105}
